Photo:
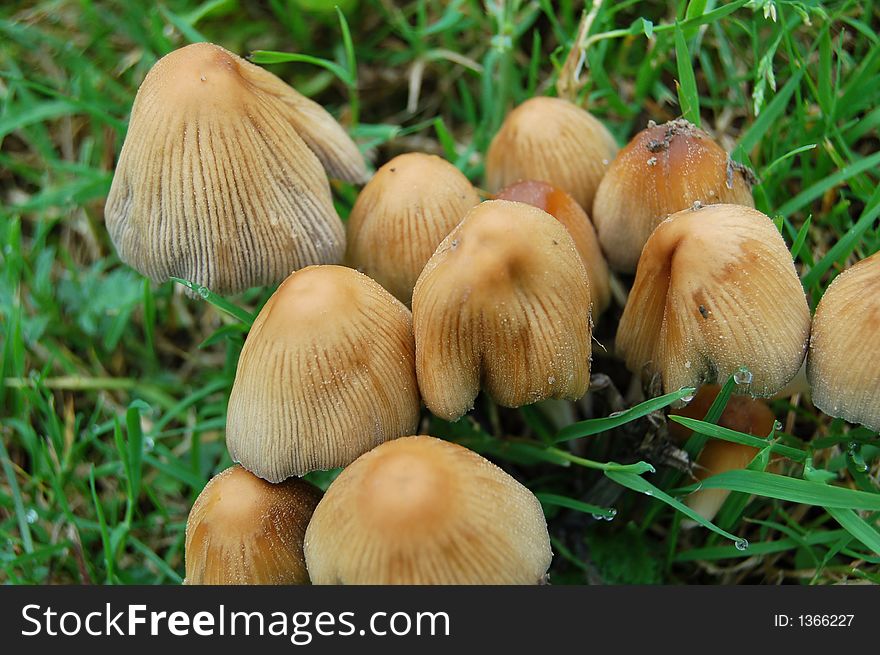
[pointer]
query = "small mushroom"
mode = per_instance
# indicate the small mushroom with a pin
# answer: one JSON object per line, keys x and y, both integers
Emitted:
{"x": 563, "y": 208}
{"x": 420, "y": 510}
{"x": 842, "y": 365}
{"x": 401, "y": 217}
{"x": 664, "y": 169}
{"x": 716, "y": 294}
{"x": 326, "y": 373}
{"x": 218, "y": 181}
{"x": 742, "y": 414}
{"x": 244, "y": 530}
{"x": 504, "y": 302}
{"x": 555, "y": 141}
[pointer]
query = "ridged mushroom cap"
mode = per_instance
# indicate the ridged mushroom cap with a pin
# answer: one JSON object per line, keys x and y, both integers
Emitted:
{"x": 663, "y": 169}
{"x": 216, "y": 182}
{"x": 402, "y": 215}
{"x": 743, "y": 414}
{"x": 326, "y": 373}
{"x": 563, "y": 208}
{"x": 716, "y": 290}
{"x": 842, "y": 365}
{"x": 551, "y": 140}
{"x": 419, "y": 510}
{"x": 504, "y": 304}
{"x": 244, "y": 530}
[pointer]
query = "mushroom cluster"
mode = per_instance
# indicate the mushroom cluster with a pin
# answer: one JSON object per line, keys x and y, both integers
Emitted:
{"x": 223, "y": 180}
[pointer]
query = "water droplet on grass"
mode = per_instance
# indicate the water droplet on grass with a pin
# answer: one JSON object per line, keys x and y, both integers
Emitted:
{"x": 741, "y": 544}
{"x": 32, "y": 516}
{"x": 743, "y": 375}
{"x": 204, "y": 292}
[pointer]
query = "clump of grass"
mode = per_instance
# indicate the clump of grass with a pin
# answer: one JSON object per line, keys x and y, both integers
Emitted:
{"x": 114, "y": 391}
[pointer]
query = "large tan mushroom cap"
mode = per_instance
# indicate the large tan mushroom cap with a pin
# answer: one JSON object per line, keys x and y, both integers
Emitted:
{"x": 244, "y": 530}
{"x": 716, "y": 290}
{"x": 215, "y": 183}
{"x": 401, "y": 217}
{"x": 555, "y": 141}
{"x": 844, "y": 361}
{"x": 563, "y": 208}
{"x": 326, "y": 373}
{"x": 420, "y": 510}
{"x": 743, "y": 414}
{"x": 664, "y": 169}
{"x": 503, "y": 303}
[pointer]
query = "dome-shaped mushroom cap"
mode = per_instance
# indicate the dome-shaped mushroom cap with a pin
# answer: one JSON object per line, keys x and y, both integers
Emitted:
{"x": 563, "y": 208}
{"x": 716, "y": 290}
{"x": 419, "y": 510}
{"x": 401, "y": 217}
{"x": 551, "y": 140}
{"x": 843, "y": 366}
{"x": 215, "y": 182}
{"x": 504, "y": 302}
{"x": 244, "y": 530}
{"x": 326, "y": 373}
{"x": 663, "y": 169}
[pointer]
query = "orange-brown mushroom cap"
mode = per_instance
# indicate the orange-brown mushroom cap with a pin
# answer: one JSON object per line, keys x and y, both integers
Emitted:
{"x": 843, "y": 365}
{"x": 563, "y": 208}
{"x": 419, "y": 510}
{"x": 402, "y": 215}
{"x": 326, "y": 373}
{"x": 244, "y": 530}
{"x": 716, "y": 290}
{"x": 742, "y": 414}
{"x": 551, "y": 140}
{"x": 663, "y": 169}
{"x": 504, "y": 304}
{"x": 217, "y": 183}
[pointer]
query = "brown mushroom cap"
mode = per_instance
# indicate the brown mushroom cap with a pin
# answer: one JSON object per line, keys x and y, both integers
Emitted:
{"x": 503, "y": 303}
{"x": 401, "y": 217}
{"x": 716, "y": 290}
{"x": 215, "y": 182}
{"x": 326, "y": 373}
{"x": 664, "y": 169}
{"x": 551, "y": 140}
{"x": 419, "y": 510}
{"x": 563, "y": 208}
{"x": 244, "y": 530}
{"x": 746, "y": 415}
{"x": 843, "y": 366}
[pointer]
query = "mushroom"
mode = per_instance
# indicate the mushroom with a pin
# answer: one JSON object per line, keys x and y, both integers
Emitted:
{"x": 218, "y": 181}
{"x": 742, "y": 414}
{"x": 551, "y": 140}
{"x": 243, "y": 530}
{"x": 402, "y": 215}
{"x": 563, "y": 208}
{"x": 503, "y": 302}
{"x": 716, "y": 294}
{"x": 842, "y": 365}
{"x": 421, "y": 510}
{"x": 326, "y": 373}
{"x": 664, "y": 169}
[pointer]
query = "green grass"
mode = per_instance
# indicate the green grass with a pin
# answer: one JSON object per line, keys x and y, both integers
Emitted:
{"x": 113, "y": 394}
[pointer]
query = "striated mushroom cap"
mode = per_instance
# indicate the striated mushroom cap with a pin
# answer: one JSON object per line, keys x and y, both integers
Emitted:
{"x": 244, "y": 530}
{"x": 664, "y": 169}
{"x": 743, "y": 414}
{"x": 326, "y": 373}
{"x": 551, "y": 140}
{"x": 563, "y": 208}
{"x": 217, "y": 183}
{"x": 419, "y": 510}
{"x": 401, "y": 217}
{"x": 504, "y": 304}
{"x": 716, "y": 290}
{"x": 842, "y": 365}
